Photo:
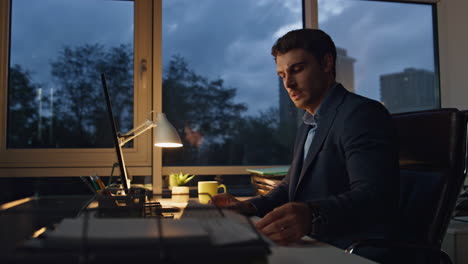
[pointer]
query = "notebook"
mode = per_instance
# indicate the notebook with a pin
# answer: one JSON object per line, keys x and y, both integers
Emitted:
{"x": 274, "y": 171}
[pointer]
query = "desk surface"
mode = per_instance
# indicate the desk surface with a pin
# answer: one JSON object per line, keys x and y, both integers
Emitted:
{"x": 456, "y": 240}
{"x": 29, "y": 217}
{"x": 313, "y": 254}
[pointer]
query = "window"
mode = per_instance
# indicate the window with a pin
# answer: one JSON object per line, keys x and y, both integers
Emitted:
{"x": 220, "y": 87}
{"x": 223, "y": 56}
{"x": 385, "y": 51}
{"x": 54, "y": 92}
{"x": 54, "y": 54}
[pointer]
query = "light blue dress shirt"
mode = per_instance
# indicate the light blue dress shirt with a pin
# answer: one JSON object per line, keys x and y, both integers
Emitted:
{"x": 312, "y": 121}
{"x": 309, "y": 119}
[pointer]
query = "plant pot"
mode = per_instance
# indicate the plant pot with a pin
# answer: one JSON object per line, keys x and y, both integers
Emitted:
{"x": 180, "y": 194}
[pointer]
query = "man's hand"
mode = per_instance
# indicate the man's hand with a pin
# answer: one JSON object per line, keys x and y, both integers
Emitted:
{"x": 228, "y": 201}
{"x": 287, "y": 223}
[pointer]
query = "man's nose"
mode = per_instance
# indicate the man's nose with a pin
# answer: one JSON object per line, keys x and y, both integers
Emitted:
{"x": 289, "y": 82}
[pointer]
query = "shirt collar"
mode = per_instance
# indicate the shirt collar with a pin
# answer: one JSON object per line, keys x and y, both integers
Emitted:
{"x": 310, "y": 119}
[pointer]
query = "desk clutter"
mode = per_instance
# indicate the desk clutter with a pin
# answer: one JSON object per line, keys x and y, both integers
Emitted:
{"x": 203, "y": 233}
{"x": 265, "y": 179}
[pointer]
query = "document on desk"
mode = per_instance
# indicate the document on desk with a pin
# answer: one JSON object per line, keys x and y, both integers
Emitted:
{"x": 125, "y": 232}
{"x": 226, "y": 231}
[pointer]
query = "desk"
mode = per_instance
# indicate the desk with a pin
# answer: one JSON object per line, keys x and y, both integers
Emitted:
{"x": 15, "y": 228}
{"x": 19, "y": 220}
{"x": 313, "y": 254}
{"x": 456, "y": 241}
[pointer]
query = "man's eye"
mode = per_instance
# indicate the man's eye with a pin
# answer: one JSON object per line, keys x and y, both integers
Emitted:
{"x": 297, "y": 68}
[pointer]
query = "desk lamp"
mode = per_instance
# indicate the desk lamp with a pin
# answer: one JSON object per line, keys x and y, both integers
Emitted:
{"x": 165, "y": 136}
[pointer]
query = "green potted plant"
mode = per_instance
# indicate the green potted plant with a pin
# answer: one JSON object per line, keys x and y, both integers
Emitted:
{"x": 177, "y": 182}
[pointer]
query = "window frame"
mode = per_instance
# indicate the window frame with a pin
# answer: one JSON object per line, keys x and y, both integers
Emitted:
{"x": 77, "y": 162}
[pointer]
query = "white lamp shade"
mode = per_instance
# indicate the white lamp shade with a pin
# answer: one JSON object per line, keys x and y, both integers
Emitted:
{"x": 166, "y": 135}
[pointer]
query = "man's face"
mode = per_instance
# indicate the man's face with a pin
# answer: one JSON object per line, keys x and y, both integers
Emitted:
{"x": 304, "y": 79}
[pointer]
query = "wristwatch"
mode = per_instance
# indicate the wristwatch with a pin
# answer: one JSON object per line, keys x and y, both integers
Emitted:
{"x": 318, "y": 219}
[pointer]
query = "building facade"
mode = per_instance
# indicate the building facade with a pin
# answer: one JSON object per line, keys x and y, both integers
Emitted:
{"x": 410, "y": 90}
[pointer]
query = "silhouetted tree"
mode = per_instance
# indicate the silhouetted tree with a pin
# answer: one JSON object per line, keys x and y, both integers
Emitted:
{"x": 80, "y": 111}
{"x": 23, "y": 117}
{"x": 261, "y": 141}
{"x": 192, "y": 101}
{"x": 203, "y": 111}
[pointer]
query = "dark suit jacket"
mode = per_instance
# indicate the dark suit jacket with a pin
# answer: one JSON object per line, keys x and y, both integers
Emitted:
{"x": 350, "y": 172}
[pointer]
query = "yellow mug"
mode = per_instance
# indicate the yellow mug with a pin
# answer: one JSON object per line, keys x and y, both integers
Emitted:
{"x": 208, "y": 189}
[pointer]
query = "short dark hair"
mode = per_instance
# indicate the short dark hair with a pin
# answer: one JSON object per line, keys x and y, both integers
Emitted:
{"x": 315, "y": 41}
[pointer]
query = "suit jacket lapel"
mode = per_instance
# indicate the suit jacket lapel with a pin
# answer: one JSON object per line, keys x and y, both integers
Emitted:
{"x": 297, "y": 161}
{"x": 324, "y": 123}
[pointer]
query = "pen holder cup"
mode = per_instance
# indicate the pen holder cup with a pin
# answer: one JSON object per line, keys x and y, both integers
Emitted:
{"x": 120, "y": 205}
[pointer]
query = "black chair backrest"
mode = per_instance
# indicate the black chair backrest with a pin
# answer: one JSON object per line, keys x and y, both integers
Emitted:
{"x": 465, "y": 124}
{"x": 432, "y": 154}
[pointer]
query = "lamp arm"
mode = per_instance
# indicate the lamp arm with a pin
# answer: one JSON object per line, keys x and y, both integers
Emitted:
{"x": 143, "y": 125}
{"x": 146, "y": 125}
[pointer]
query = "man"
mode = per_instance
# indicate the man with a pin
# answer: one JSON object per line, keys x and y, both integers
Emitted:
{"x": 343, "y": 181}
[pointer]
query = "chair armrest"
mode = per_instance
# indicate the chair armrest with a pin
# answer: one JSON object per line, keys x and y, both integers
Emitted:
{"x": 391, "y": 244}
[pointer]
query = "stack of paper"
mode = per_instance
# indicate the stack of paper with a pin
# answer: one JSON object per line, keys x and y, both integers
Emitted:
{"x": 265, "y": 179}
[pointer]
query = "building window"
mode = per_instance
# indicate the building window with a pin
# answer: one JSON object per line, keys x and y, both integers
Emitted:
{"x": 220, "y": 87}
{"x": 386, "y": 51}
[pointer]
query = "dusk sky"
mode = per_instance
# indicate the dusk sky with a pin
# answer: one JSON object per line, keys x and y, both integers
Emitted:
{"x": 231, "y": 39}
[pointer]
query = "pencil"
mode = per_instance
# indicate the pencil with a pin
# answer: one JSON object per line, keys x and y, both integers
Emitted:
{"x": 99, "y": 182}
{"x": 94, "y": 183}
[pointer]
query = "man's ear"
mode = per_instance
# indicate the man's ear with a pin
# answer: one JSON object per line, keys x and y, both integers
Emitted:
{"x": 328, "y": 63}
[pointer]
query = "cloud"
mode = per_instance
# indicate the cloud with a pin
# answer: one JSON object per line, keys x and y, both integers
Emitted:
{"x": 331, "y": 8}
{"x": 285, "y": 29}
{"x": 40, "y": 29}
{"x": 171, "y": 28}
{"x": 227, "y": 39}
{"x": 252, "y": 73}
{"x": 262, "y": 3}
{"x": 233, "y": 44}
{"x": 293, "y": 6}
{"x": 232, "y": 39}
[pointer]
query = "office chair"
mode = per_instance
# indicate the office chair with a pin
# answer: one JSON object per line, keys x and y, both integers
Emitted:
{"x": 432, "y": 159}
{"x": 462, "y": 204}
